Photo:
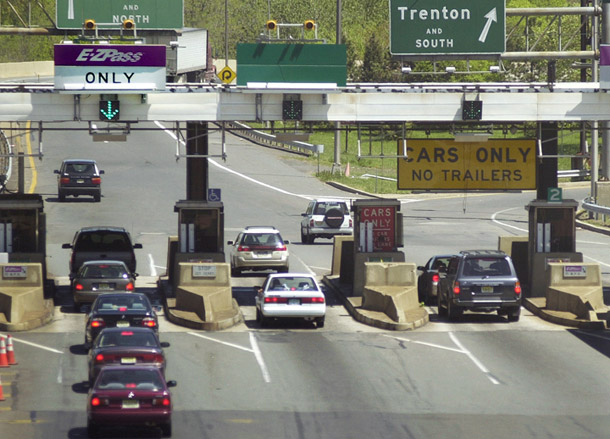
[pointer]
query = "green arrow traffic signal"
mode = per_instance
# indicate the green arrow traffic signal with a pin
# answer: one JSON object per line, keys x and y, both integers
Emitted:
{"x": 109, "y": 110}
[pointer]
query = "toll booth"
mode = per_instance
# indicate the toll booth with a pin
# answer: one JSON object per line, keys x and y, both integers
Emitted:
{"x": 552, "y": 238}
{"x": 22, "y": 229}
{"x": 200, "y": 234}
{"x": 378, "y": 235}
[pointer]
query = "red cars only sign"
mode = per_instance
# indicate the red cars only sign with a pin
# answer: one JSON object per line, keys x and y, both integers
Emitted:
{"x": 379, "y": 226}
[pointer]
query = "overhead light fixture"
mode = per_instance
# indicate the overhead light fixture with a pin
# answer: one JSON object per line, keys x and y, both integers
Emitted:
{"x": 450, "y": 69}
{"x": 472, "y": 137}
{"x": 494, "y": 69}
{"x": 405, "y": 69}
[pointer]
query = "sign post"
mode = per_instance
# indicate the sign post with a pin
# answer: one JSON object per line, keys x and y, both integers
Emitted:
{"x": 447, "y": 27}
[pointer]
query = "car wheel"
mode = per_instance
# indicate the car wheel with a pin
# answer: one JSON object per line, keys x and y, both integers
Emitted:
{"x": 260, "y": 318}
{"x": 441, "y": 311}
{"x": 303, "y": 237}
{"x": 454, "y": 312}
{"x": 235, "y": 272}
{"x": 61, "y": 197}
{"x": 514, "y": 314}
{"x": 320, "y": 322}
{"x": 166, "y": 429}
{"x": 334, "y": 218}
{"x": 97, "y": 198}
{"x": 92, "y": 430}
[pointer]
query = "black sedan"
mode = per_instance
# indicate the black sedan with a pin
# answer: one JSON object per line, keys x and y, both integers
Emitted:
{"x": 427, "y": 282}
{"x": 120, "y": 310}
{"x": 126, "y": 346}
{"x": 125, "y": 396}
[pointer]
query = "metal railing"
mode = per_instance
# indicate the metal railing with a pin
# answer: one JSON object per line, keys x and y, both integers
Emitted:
{"x": 266, "y": 139}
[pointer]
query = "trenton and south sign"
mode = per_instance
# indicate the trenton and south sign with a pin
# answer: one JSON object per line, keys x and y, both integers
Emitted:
{"x": 498, "y": 164}
{"x": 105, "y": 67}
{"x": 447, "y": 27}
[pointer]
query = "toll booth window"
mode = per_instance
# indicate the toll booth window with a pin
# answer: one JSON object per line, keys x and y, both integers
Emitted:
{"x": 18, "y": 231}
{"x": 199, "y": 231}
{"x": 561, "y": 223}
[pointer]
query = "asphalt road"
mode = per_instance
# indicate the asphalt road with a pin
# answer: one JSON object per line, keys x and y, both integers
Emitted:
{"x": 477, "y": 378}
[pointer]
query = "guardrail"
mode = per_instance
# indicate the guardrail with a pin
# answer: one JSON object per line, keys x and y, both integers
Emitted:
{"x": 588, "y": 205}
{"x": 266, "y": 139}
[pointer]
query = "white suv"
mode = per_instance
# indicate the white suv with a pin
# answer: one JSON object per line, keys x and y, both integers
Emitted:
{"x": 325, "y": 218}
{"x": 258, "y": 248}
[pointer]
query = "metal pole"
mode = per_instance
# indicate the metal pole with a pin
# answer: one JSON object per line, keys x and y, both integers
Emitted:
{"x": 595, "y": 125}
{"x": 605, "y": 38}
{"x": 226, "y": 33}
{"x": 337, "y": 160}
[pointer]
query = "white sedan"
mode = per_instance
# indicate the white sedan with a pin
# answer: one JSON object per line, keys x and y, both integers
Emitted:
{"x": 290, "y": 295}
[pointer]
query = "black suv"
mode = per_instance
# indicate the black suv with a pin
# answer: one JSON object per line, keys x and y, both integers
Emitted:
{"x": 102, "y": 243}
{"x": 79, "y": 177}
{"x": 480, "y": 280}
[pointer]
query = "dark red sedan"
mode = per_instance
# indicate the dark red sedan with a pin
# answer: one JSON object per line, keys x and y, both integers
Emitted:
{"x": 127, "y": 396}
{"x": 127, "y": 346}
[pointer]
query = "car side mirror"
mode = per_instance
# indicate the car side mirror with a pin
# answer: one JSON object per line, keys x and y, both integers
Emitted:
{"x": 172, "y": 383}
{"x": 230, "y": 242}
{"x": 56, "y": 171}
{"x": 421, "y": 268}
{"x": 137, "y": 245}
{"x": 304, "y": 214}
{"x": 102, "y": 171}
{"x": 164, "y": 344}
{"x": 286, "y": 241}
{"x": 66, "y": 245}
{"x": 257, "y": 289}
{"x": 135, "y": 274}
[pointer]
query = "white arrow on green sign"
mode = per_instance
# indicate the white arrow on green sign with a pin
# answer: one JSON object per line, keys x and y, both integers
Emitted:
{"x": 447, "y": 27}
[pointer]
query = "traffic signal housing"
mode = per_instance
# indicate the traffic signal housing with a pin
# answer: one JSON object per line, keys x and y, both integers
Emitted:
{"x": 129, "y": 24}
{"x": 309, "y": 25}
{"x": 292, "y": 109}
{"x": 271, "y": 25}
{"x": 109, "y": 110}
{"x": 89, "y": 24}
{"x": 472, "y": 110}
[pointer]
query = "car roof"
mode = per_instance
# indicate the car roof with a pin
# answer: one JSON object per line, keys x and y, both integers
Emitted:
{"x": 130, "y": 329}
{"x": 260, "y": 229}
{"x": 79, "y": 161}
{"x": 483, "y": 253}
{"x": 118, "y": 295}
{"x": 104, "y": 261}
{"x": 280, "y": 275}
{"x": 102, "y": 228}
{"x": 141, "y": 366}
{"x": 332, "y": 200}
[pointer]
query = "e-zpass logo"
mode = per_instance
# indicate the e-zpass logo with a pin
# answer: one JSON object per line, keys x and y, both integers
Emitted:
{"x": 112, "y": 55}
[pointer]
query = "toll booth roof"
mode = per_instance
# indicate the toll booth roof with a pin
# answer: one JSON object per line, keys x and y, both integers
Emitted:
{"x": 21, "y": 201}
{"x": 197, "y": 204}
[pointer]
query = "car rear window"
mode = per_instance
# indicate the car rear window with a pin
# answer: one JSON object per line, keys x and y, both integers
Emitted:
{"x": 102, "y": 241}
{"x": 128, "y": 303}
{"x": 324, "y": 206}
{"x": 80, "y": 168}
{"x": 486, "y": 267}
{"x": 292, "y": 284}
{"x": 130, "y": 379}
{"x": 127, "y": 338}
{"x": 261, "y": 239}
{"x": 102, "y": 271}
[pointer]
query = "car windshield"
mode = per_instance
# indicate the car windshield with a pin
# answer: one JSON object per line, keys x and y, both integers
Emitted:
{"x": 130, "y": 379}
{"x": 104, "y": 271}
{"x": 102, "y": 241}
{"x": 261, "y": 239}
{"x": 126, "y": 338}
{"x": 127, "y": 302}
{"x": 486, "y": 267}
{"x": 80, "y": 168}
{"x": 292, "y": 283}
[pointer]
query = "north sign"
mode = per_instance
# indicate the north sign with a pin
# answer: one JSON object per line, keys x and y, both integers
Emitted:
{"x": 447, "y": 27}
{"x": 497, "y": 164}
{"x": 110, "y": 14}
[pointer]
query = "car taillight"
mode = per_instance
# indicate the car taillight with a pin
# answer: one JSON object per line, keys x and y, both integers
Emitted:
{"x": 64, "y": 180}
{"x": 98, "y": 323}
{"x": 243, "y": 248}
{"x": 166, "y": 402}
{"x": 149, "y": 323}
{"x": 96, "y": 180}
{"x": 280, "y": 247}
{"x": 312, "y": 300}
{"x": 311, "y": 223}
{"x": 99, "y": 358}
{"x": 122, "y": 308}
{"x": 350, "y": 222}
{"x": 95, "y": 401}
{"x": 435, "y": 278}
{"x": 274, "y": 299}
{"x": 78, "y": 287}
{"x": 129, "y": 286}
{"x": 456, "y": 288}
{"x": 517, "y": 288}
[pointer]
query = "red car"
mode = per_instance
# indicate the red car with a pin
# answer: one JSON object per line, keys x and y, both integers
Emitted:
{"x": 127, "y": 346}
{"x": 125, "y": 396}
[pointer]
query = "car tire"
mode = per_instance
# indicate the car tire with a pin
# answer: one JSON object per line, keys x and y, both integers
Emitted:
{"x": 320, "y": 322}
{"x": 441, "y": 311}
{"x": 61, "y": 197}
{"x": 166, "y": 429}
{"x": 92, "y": 430}
{"x": 235, "y": 272}
{"x": 514, "y": 314}
{"x": 97, "y": 198}
{"x": 303, "y": 237}
{"x": 334, "y": 218}
{"x": 453, "y": 312}
{"x": 260, "y": 318}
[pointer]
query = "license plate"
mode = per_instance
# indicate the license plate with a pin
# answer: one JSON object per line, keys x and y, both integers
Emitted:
{"x": 294, "y": 301}
{"x": 80, "y": 181}
{"x": 122, "y": 324}
{"x": 131, "y": 404}
{"x": 263, "y": 254}
{"x": 128, "y": 360}
{"x": 104, "y": 286}
{"x": 487, "y": 289}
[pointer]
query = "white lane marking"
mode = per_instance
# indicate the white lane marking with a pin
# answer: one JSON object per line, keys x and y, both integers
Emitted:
{"x": 151, "y": 264}
{"x": 60, "y": 373}
{"x": 29, "y": 343}
{"x": 259, "y": 358}
{"x": 221, "y": 342}
{"x": 306, "y": 266}
{"x": 253, "y": 350}
{"x": 473, "y": 358}
{"x": 432, "y": 345}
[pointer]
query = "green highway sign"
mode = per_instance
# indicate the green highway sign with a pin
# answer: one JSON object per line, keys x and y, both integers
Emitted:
{"x": 447, "y": 27}
{"x": 110, "y": 14}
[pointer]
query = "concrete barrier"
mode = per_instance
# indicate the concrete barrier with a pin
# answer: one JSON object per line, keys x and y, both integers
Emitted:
{"x": 204, "y": 297}
{"x": 575, "y": 288}
{"x": 31, "y": 69}
{"x": 22, "y": 302}
{"x": 391, "y": 288}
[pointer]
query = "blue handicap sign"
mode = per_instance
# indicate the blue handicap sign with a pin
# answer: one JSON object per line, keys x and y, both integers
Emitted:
{"x": 213, "y": 194}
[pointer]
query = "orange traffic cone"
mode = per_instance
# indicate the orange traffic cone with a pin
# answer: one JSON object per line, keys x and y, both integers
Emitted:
{"x": 3, "y": 357}
{"x": 10, "y": 352}
{"x": 347, "y": 170}
{"x": 1, "y": 391}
